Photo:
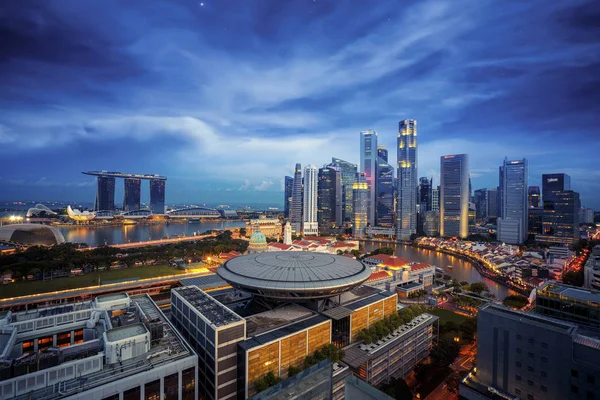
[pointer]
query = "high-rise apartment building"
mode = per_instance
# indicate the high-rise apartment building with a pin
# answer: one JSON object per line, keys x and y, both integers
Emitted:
{"x": 406, "y": 215}
{"x": 435, "y": 199}
{"x": 492, "y": 199}
{"x": 385, "y": 191}
{"x": 157, "y": 196}
{"x": 360, "y": 197}
{"x": 329, "y": 195}
{"x": 513, "y": 225}
{"x": 368, "y": 166}
{"x": 382, "y": 153}
{"x": 348, "y": 171}
{"x": 296, "y": 210}
{"x": 105, "y": 195}
{"x": 533, "y": 197}
{"x": 454, "y": 195}
{"x": 425, "y": 193}
{"x": 310, "y": 224}
{"x": 481, "y": 204}
{"x": 132, "y": 194}
{"x": 288, "y": 188}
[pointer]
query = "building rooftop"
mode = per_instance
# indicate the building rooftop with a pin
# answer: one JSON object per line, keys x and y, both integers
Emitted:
{"x": 530, "y": 317}
{"x": 126, "y": 332}
{"x": 283, "y": 331}
{"x": 211, "y": 309}
{"x": 111, "y": 297}
{"x": 205, "y": 282}
{"x": 294, "y": 274}
{"x": 570, "y": 293}
{"x": 271, "y": 319}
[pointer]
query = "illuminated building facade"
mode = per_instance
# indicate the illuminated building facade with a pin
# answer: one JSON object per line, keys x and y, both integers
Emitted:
{"x": 310, "y": 225}
{"x": 406, "y": 214}
{"x": 552, "y": 184}
{"x": 360, "y": 197}
{"x": 435, "y": 199}
{"x": 157, "y": 196}
{"x": 533, "y": 197}
{"x": 132, "y": 195}
{"x": 296, "y": 210}
{"x": 287, "y": 195}
{"x": 560, "y": 223}
{"x": 513, "y": 225}
{"x": 348, "y": 171}
{"x": 270, "y": 227}
{"x": 425, "y": 194}
{"x": 454, "y": 196}
{"x": 329, "y": 197}
{"x": 385, "y": 192}
{"x": 368, "y": 166}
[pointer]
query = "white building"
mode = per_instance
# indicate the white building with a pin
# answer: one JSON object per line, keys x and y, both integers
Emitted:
{"x": 406, "y": 216}
{"x": 310, "y": 225}
{"x": 287, "y": 233}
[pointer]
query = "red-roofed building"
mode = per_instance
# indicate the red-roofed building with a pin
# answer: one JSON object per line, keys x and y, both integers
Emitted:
{"x": 274, "y": 246}
{"x": 379, "y": 276}
{"x": 228, "y": 256}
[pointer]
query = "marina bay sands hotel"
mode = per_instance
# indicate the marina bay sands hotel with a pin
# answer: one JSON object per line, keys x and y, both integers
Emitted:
{"x": 105, "y": 194}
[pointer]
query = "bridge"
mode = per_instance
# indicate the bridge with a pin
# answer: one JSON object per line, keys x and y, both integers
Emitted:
{"x": 194, "y": 212}
{"x": 158, "y": 242}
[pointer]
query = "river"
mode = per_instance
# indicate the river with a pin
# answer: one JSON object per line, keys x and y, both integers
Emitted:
{"x": 461, "y": 270}
{"x": 117, "y": 234}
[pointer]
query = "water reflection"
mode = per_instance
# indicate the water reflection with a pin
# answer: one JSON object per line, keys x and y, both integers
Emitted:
{"x": 461, "y": 270}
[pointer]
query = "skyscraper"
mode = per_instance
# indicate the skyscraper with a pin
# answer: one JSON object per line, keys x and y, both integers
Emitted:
{"x": 329, "y": 210}
{"x": 310, "y": 225}
{"x": 296, "y": 210}
{"x": 435, "y": 199}
{"x": 382, "y": 153}
{"x": 105, "y": 195}
{"x": 492, "y": 198}
{"x": 385, "y": 191}
{"x": 454, "y": 195}
{"x": 406, "y": 215}
{"x": 349, "y": 171}
{"x": 513, "y": 225}
{"x": 360, "y": 198}
{"x": 481, "y": 204}
{"x": 533, "y": 196}
{"x": 157, "y": 196}
{"x": 552, "y": 184}
{"x": 368, "y": 166}
{"x": 132, "y": 194}
{"x": 560, "y": 218}
{"x": 425, "y": 193}
{"x": 288, "y": 188}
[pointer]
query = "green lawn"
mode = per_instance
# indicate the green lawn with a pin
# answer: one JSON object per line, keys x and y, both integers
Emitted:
{"x": 91, "y": 279}
{"x": 445, "y": 316}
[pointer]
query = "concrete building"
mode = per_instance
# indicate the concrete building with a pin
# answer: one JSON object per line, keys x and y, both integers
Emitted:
{"x": 531, "y": 356}
{"x": 406, "y": 203}
{"x": 132, "y": 194}
{"x": 360, "y": 197}
{"x": 586, "y": 216}
{"x": 435, "y": 199}
{"x": 115, "y": 347}
{"x": 513, "y": 223}
{"x": 568, "y": 303}
{"x": 349, "y": 171}
{"x": 533, "y": 197}
{"x": 310, "y": 225}
{"x": 368, "y": 166}
{"x": 270, "y": 227}
{"x": 431, "y": 223}
{"x": 591, "y": 270}
{"x": 454, "y": 196}
{"x": 296, "y": 210}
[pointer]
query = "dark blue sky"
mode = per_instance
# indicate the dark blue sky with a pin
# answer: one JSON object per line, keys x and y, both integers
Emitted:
{"x": 225, "y": 96}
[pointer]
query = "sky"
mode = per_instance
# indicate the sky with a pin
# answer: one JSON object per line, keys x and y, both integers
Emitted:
{"x": 225, "y": 96}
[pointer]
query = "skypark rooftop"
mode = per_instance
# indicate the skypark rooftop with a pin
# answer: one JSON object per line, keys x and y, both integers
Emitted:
{"x": 122, "y": 175}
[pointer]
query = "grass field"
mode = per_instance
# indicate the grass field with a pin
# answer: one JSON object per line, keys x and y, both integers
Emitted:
{"x": 445, "y": 316}
{"x": 91, "y": 279}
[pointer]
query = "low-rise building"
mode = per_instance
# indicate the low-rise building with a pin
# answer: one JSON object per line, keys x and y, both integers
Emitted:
{"x": 591, "y": 270}
{"x": 270, "y": 227}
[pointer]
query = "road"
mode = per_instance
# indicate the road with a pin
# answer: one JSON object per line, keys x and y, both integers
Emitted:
{"x": 157, "y": 242}
{"x": 463, "y": 363}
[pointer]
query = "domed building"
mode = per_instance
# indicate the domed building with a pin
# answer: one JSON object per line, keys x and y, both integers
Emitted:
{"x": 31, "y": 234}
{"x": 258, "y": 243}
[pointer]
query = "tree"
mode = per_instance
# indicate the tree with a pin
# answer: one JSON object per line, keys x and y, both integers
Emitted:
{"x": 574, "y": 278}
{"x": 452, "y": 381}
{"x": 355, "y": 253}
{"x": 444, "y": 353}
{"x": 447, "y": 277}
{"x": 292, "y": 370}
{"x": 479, "y": 287}
{"x": 242, "y": 232}
{"x": 266, "y": 381}
{"x": 516, "y": 301}
{"x": 468, "y": 330}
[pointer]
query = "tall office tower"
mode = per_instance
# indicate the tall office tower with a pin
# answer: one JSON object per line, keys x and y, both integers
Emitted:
{"x": 133, "y": 186}
{"x": 105, "y": 194}
{"x": 288, "y": 187}
{"x": 586, "y": 216}
{"x": 552, "y": 184}
{"x": 533, "y": 197}
{"x": 310, "y": 225}
{"x": 296, "y": 210}
{"x": 368, "y": 166}
{"x": 513, "y": 225}
{"x": 500, "y": 188}
{"x": 382, "y": 153}
{"x": 349, "y": 171}
{"x": 360, "y": 198}
{"x": 406, "y": 215}
{"x": 454, "y": 195}
{"x": 561, "y": 223}
{"x": 470, "y": 190}
{"x": 481, "y": 204}
{"x": 157, "y": 196}
{"x": 385, "y": 193}
{"x": 425, "y": 193}
{"x": 435, "y": 199}
{"x": 492, "y": 206}
{"x": 329, "y": 210}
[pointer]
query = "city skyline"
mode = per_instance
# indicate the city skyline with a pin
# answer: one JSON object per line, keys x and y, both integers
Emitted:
{"x": 155, "y": 87}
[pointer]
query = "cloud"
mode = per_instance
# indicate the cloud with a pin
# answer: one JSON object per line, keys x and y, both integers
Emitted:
{"x": 264, "y": 185}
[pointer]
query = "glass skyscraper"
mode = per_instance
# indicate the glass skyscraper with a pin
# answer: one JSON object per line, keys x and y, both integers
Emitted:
{"x": 552, "y": 184}
{"x": 533, "y": 197}
{"x": 481, "y": 204}
{"x": 348, "y": 171}
{"x": 385, "y": 193}
{"x": 287, "y": 195}
{"x": 425, "y": 193}
{"x": 492, "y": 198}
{"x": 382, "y": 153}
{"x": 368, "y": 166}
{"x": 296, "y": 210}
{"x": 132, "y": 196}
{"x": 105, "y": 194}
{"x": 310, "y": 224}
{"x": 406, "y": 215}
{"x": 513, "y": 225}
{"x": 157, "y": 196}
{"x": 360, "y": 198}
{"x": 329, "y": 193}
{"x": 454, "y": 196}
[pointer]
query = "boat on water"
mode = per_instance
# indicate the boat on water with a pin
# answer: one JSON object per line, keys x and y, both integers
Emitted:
{"x": 129, "y": 222}
{"x": 449, "y": 267}
{"x": 439, "y": 270}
